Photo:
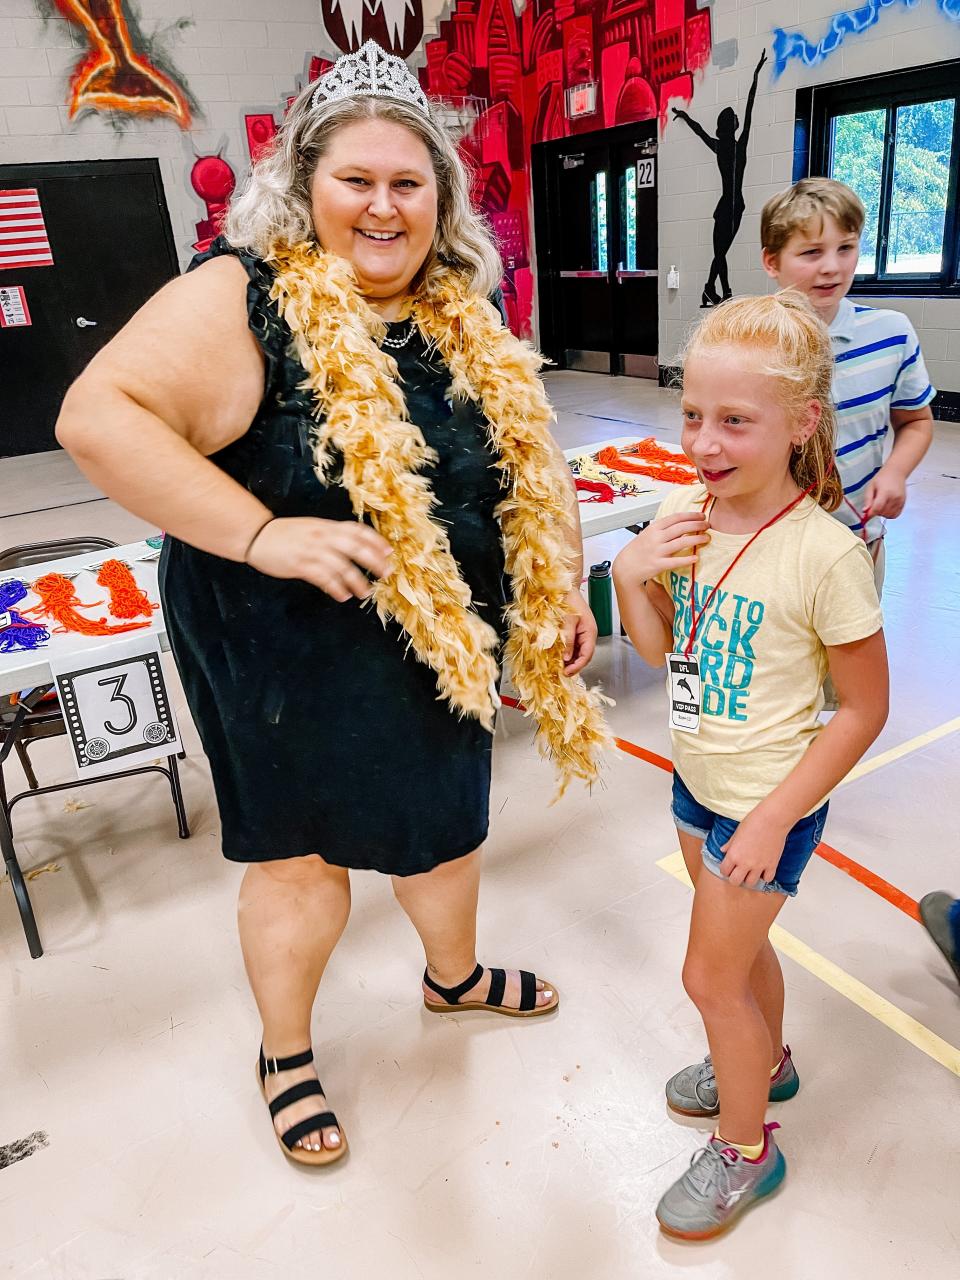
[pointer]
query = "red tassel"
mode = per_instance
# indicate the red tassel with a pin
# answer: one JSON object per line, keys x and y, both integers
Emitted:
{"x": 599, "y": 490}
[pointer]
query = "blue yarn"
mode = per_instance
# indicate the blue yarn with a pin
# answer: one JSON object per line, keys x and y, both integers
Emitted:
{"x": 20, "y": 634}
{"x": 11, "y": 593}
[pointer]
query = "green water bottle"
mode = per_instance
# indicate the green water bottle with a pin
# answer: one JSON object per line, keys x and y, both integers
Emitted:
{"x": 600, "y": 596}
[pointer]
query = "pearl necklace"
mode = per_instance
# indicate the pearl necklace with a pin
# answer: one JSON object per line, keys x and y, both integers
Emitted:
{"x": 396, "y": 343}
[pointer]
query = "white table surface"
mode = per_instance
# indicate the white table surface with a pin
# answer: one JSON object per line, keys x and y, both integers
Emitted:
{"x": 601, "y": 517}
{"x": 26, "y": 668}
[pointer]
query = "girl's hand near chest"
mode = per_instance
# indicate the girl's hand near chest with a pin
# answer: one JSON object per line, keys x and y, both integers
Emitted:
{"x": 670, "y": 542}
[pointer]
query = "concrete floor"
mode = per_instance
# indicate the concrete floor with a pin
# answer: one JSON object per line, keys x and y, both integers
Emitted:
{"x": 480, "y": 1146}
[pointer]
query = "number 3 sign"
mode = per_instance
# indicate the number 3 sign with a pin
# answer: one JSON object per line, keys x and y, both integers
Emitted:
{"x": 116, "y": 710}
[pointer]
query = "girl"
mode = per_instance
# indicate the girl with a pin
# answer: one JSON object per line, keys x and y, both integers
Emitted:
{"x": 756, "y": 593}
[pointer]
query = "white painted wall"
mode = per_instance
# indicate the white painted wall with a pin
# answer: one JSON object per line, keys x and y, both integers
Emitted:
{"x": 237, "y": 56}
{"x": 690, "y": 184}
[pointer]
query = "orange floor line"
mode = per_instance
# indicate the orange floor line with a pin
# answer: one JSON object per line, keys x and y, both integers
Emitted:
{"x": 896, "y": 897}
{"x": 869, "y": 879}
{"x": 642, "y": 753}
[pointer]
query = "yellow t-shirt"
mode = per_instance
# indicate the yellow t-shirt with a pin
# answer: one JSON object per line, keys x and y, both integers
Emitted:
{"x": 805, "y": 583}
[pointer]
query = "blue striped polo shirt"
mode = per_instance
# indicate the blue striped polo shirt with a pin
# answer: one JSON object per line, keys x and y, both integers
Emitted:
{"x": 878, "y": 366}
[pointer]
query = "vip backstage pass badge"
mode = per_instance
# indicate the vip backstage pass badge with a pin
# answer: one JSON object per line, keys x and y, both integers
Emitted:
{"x": 683, "y": 675}
{"x": 114, "y": 701}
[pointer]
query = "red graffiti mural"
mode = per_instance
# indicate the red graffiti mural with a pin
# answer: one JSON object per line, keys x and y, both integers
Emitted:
{"x": 261, "y": 130}
{"x": 114, "y": 76}
{"x": 213, "y": 180}
{"x": 396, "y": 25}
{"x": 516, "y": 69}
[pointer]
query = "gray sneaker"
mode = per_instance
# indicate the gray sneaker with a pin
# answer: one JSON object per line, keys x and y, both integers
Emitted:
{"x": 693, "y": 1091}
{"x": 936, "y": 910}
{"x": 718, "y": 1187}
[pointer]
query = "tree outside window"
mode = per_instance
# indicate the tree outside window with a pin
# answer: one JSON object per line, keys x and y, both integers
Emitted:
{"x": 920, "y": 136}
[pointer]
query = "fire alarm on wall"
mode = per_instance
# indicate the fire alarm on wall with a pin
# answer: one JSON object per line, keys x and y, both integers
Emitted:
{"x": 582, "y": 100}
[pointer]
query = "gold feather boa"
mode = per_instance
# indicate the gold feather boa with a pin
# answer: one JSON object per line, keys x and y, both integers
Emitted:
{"x": 361, "y": 413}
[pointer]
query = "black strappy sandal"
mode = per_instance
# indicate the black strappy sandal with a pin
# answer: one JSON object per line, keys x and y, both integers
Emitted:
{"x": 322, "y": 1120}
{"x": 494, "y": 1001}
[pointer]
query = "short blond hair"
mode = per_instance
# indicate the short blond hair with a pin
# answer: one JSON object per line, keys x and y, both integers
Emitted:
{"x": 792, "y": 345}
{"x": 804, "y": 205}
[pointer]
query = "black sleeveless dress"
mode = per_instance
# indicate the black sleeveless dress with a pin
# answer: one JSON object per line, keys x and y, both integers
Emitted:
{"x": 324, "y": 733}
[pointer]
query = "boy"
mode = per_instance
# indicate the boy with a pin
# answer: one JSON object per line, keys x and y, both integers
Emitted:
{"x": 810, "y": 236}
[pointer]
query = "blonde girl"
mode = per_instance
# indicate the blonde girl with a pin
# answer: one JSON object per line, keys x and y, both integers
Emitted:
{"x": 754, "y": 593}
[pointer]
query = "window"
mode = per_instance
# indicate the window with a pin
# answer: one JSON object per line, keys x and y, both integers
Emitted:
{"x": 895, "y": 139}
{"x": 628, "y": 216}
{"x": 598, "y": 195}
{"x": 856, "y": 158}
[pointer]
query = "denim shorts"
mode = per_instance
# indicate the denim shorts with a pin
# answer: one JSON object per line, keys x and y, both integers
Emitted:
{"x": 715, "y": 830}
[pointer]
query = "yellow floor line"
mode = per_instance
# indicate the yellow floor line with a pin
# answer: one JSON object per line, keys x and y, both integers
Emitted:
{"x": 856, "y": 992}
{"x": 897, "y": 753}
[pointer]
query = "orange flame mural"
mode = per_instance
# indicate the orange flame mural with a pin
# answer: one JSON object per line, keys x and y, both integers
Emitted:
{"x": 114, "y": 76}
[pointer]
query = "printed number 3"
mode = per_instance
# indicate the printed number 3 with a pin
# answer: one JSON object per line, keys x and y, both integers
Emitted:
{"x": 119, "y": 696}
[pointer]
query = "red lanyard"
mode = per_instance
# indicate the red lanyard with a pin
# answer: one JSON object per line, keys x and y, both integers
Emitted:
{"x": 861, "y": 516}
{"x": 697, "y": 618}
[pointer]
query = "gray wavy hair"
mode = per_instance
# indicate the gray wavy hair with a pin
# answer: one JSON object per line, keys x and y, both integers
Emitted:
{"x": 274, "y": 202}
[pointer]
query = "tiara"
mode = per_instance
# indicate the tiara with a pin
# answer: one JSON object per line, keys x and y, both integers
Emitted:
{"x": 370, "y": 72}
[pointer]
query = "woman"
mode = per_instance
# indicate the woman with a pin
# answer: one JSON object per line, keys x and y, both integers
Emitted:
{"x": 264, "y": 388}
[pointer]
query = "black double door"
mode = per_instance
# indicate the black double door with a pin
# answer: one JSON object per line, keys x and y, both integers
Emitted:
{"x": 112, "y": 247}
{"x": 595, "y": 211}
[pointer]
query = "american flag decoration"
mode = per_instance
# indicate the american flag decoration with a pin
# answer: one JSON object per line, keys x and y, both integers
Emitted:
{"x": 23, "y": 235}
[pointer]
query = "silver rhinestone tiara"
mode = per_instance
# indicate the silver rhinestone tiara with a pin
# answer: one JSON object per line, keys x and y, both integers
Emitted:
{"x": 370, "y": 72}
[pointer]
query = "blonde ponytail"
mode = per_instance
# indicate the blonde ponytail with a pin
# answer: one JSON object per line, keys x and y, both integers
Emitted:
{"x": 792, "y": 345}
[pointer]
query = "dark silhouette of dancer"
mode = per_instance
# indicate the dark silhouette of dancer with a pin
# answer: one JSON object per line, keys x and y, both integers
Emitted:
{"x": 731, "y": 153}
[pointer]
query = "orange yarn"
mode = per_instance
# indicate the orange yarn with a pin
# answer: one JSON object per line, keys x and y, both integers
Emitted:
{"x": 649, "y": 449}
{"x": 659, "y": 464}
{"x": 127, "y": 600}
{"x": 58, "y": 600}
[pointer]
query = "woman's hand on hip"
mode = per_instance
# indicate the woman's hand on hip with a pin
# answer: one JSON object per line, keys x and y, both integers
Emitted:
{"x": 579, "y": 634}
{"x": 330, "y": 554}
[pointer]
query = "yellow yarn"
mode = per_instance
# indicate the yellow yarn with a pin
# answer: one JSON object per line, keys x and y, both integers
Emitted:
{"x": 361, "y": 413}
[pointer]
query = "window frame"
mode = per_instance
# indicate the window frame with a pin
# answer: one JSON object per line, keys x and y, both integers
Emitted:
{"x": 816, "y": 107}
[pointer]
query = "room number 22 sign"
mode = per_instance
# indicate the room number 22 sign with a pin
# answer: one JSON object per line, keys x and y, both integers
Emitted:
{"x": 116, "y": 709}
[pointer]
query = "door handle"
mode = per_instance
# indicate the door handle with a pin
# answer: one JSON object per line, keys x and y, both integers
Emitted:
{"x": 84, "y": 323}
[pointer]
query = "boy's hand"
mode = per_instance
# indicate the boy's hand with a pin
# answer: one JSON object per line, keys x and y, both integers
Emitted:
{"x": 753, "y": 852}
{"x": 886, "y": 494}
{"x": 672, "y": 542}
